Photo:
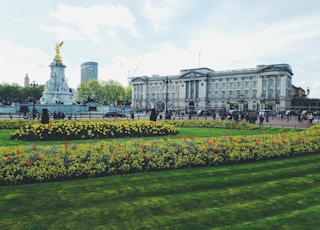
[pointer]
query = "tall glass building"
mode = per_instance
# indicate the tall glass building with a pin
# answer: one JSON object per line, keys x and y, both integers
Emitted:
{"x": 89, "y": 70}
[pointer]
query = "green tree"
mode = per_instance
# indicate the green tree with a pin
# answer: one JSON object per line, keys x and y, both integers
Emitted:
{"x": 14, "y": 93}
{"x": 105, "y": 92}
{"x": 112, "y": 91}
{"x": 128, "y": 93}
{"x": 89, "y": 90}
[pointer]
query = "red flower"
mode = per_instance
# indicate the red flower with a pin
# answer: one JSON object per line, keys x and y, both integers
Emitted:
{"x": 9, "y": 159}
{"x": 28, "y": 163}
{"x": 38, "y": 157}
{"x": 126, "y": 156}
{"x": 66, "y": 145}
{"x": 18, "y": 151}
{"x": 34, "y": 146}
{"x": 257, "y": 142}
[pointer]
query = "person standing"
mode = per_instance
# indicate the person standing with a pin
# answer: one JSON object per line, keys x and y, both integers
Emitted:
{"x": 153, "y": 115}
{"x": 310, "y": 118}
{"x": 261, "y": 119}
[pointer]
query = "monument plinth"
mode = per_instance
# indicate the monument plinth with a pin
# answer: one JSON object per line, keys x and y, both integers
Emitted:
{"x": 56, "y": 90}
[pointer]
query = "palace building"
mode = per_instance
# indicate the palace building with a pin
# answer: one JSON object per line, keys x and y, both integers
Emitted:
{"x": 263, "y": 87}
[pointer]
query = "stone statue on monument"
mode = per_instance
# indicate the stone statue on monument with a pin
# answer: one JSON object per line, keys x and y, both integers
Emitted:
{"x": 56, "y": 90}
{"x": 57, "y": 57}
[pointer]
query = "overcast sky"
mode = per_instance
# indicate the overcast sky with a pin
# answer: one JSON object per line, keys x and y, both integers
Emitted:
{"x": 146, "y": 37}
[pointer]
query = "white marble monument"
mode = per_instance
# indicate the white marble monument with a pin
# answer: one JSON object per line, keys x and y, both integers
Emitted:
{"x": 56, "y": 90}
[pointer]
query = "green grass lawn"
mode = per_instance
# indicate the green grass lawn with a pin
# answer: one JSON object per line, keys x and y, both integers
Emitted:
{"x": 273, "y": 194}
{"x": 190, "y": 132}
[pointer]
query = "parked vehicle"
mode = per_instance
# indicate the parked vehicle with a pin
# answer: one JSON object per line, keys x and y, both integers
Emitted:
{"x": 114, "y": 114}
{"x": 291, "y": 113}
{"x": 234, "y": 112}
{"x": 266, "y": 112}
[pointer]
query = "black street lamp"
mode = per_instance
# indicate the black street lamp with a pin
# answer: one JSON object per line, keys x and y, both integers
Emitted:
{"x": 241, "y": 100}
{"x": 263, "y": 96}
{"x": 34, "y": 85}
{"x": 167, "y": 81}
{"x": 308, "y": 92}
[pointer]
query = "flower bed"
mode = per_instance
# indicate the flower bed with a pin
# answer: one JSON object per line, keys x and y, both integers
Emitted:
{"x": 14, "y": 124}
{"x": 31, "y": 163}
{"x": 75, "y": 130}
{"x": 222, "y": 124}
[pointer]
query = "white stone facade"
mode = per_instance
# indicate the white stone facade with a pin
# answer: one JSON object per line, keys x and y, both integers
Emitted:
{"x": 263, "y": 87}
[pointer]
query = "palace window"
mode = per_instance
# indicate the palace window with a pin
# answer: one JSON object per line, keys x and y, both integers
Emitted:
{"x": 216, "y": 94}
{"x": 230, "y": 94}
{"x": 254, "y": 94}
{"x": 270, "y": 93}
{"x": 246, "y": 94}
{"x": 264, "y": 83}
{"x": 254, "y": 84}
{"x": 271, "y": 82}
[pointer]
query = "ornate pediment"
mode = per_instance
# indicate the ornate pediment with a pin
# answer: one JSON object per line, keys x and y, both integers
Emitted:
{"x": 138, "y": 79}
{"x": 278, "y": 67}
{"x": 192, "y": 74}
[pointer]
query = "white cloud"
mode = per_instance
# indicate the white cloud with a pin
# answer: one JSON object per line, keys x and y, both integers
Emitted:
{"x": 228, "y": 34}
{"x": 161, "y": 14}
{"x": 18, "y": 60}
{"x": 90, "y": 21}
{"x": 63, "y": 32}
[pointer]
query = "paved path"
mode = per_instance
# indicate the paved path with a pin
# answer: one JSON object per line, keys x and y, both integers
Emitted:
{"x": 292, "y": 123}
{"x": 273, "y": 122}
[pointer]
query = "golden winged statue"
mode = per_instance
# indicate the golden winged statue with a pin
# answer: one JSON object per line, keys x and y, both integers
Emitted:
{"x": 57, "y": 57}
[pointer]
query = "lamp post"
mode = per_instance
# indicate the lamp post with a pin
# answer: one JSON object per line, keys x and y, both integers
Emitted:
{"x": 34, "y": 85}
{"x": 241, "y": 102}
{"x": 263, "y": 102}
{"x": 167, "y": 81}
{"x": 153, "y": 101}
{"x": 228, "y": 106}
{"x": 277, "y": 105}
{"x": 308, "y": 92}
